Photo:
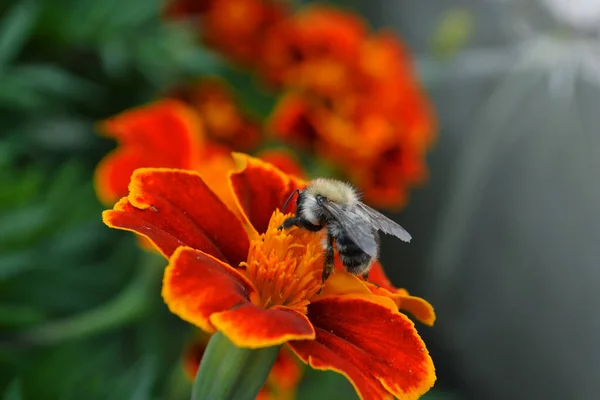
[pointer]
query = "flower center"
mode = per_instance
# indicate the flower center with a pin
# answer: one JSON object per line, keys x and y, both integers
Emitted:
{"x": 285, "y": 266}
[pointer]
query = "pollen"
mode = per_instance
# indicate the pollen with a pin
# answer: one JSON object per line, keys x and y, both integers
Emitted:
{"x": 285, "y": 265}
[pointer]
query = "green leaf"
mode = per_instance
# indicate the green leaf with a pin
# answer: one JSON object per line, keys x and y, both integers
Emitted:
{"x": 136, "y": 383}
{"x": 14, "y": 315}
{"x": 228, "y": 372}
{"x": 321, "y": 385}
{"x": 14, "y": 263}
{"x": 13, "y": 391}
{"x": 55, "y": 81}
{"x": 14, "y": 29}
{"x": 253, "y": 97}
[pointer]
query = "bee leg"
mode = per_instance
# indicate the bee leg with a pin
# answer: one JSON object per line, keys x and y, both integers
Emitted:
{"x": 328, "y": 259}
{"x": 289, "y": 222}
{"x": 300, "y": 223}
{"x": 365, "y": 276}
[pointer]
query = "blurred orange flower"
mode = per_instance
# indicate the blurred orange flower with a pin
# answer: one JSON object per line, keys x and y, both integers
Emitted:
{"x": 170, "y": 133}
{"x": 163, "y": 134}
{"x": 260, "y": 286}
{"x": 281, "y": 383}
{"x": 314, "y": 48}
{"x": 234, "y": 27}
{"x": 353, "y": 99}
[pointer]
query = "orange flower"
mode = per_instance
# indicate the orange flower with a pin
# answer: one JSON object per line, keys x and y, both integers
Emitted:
{"x": 260, "y": 286}
{"x": 169, "y": 133}
{"x": 314, "y": 48}
{"x": 222, "y": 119}
{"x": 162, "y": 134}
{"x": 353, "y": 100}
{"x": 281, "y": 383}
{"x": 235, "y": 27}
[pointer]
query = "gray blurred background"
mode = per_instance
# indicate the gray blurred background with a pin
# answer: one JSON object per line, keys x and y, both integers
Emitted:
{"x": 507, "y": 232}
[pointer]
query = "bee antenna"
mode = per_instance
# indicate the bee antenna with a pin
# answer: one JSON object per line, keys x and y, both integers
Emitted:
{"x": 290, "y": 198}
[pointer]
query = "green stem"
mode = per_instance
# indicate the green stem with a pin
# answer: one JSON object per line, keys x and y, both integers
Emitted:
{"x": 130, "y": 305}
{"x": 228, "y": 372}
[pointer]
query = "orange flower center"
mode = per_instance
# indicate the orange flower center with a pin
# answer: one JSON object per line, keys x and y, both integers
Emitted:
{"x": 285, "y": 266}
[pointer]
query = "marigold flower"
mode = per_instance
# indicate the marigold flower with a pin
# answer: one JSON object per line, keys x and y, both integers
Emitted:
{"x": 313, "y": 48}
{"x": 169, "y": 133}
{"x": 281, "y": 383}
{"x": 162, "y": 134}
{"x": 260, "y": 286}
{"x": 352, "y": 99}
{"x": 236, "y": 28}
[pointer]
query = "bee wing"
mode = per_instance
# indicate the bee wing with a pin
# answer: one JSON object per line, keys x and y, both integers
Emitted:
{"x": 384, "y": 224}
{"x": 356, "y": 224}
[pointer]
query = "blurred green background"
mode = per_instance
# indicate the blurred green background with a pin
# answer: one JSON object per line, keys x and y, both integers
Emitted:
{"x": 506, "y": 232}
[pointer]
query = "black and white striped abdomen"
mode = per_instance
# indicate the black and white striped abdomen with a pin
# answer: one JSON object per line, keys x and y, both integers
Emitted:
{"x": 355, "y": 260}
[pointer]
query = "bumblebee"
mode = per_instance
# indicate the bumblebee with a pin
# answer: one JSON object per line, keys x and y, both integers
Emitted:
{"x": 352, "y": 226}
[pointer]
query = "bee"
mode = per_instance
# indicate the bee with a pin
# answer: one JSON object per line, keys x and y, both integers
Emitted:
{"x": 352, "y": 226}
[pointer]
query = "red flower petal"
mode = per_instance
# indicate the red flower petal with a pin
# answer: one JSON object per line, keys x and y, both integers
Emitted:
{"x": 214, "y": 296}
{"x": 376, "y": 348}
{"x": 114, "y": 172}
{"x": 197, "y": 285}
{"x": 163, "y": 134}
{"x": 260, "y": 188}
{"x": 174, "y": 208}
{"x": 377, "y": 275}
{"x": 418, "y": 307}
{"x": 250, "y": 326}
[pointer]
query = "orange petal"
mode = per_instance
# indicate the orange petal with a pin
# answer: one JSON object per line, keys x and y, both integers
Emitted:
{"x": 174, "y": 208}
{"x": 260, "y": 189}
{"x": 379, "y": 284}
{"x": 214, "y": 296}
{"x": 197, "y": 285}
{"x": 418, "y": 307}
{"x": 113, "y": 174}
{"x": 214, "y": 167}
{"x": 162, "y": 134}
{"x": 377, "y": 276}
{"x": 250, "y": 326}
{"x": 377, "y": 349}
{"x": 342, "y": 283}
